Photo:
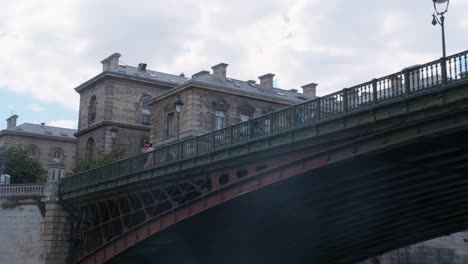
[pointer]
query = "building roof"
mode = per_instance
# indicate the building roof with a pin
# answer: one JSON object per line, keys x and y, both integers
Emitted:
{"x": 248, "y": 88}
{"x": 43, "y": 130}
{"x": 151, "y": 75}
{"x": 134, "y": 73}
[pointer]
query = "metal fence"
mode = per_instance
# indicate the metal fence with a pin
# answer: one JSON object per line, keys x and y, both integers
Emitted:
{"x": 409, "y": 81}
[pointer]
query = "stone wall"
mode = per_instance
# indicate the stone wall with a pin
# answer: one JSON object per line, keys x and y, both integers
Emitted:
{"x": 197, "y": 115}
{"x": 20, "y": 233}
{"x": 46, "y": 147}
{"x": 119, "y": 103}
{"x": 451, "y": 249}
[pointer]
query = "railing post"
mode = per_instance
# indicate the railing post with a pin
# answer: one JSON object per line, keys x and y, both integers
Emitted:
{"x": 406, "y": 78}
{"x": 294, "y": 113}
{"x": 213, "y": 139}
{"x": 231, "y": 133}
{"x": 197, "y": 142}
{"x": 181, "y": 150}
{"x": 443, "y": 69}
{"x": 345, "y": 99}
{"x": 319, "y": 108}
{"x": 374, "y": 91}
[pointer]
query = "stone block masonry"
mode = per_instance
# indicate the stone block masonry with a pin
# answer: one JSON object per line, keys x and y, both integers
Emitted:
{"x": 20, "y": 234}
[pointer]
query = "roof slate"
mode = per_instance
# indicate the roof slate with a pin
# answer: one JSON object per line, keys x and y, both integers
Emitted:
{"x": 151, "y": 75}
{"x": 248, "y": 88}
{"x": 50, "y": 131}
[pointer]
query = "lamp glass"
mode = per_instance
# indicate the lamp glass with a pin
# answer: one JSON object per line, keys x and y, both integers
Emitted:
{"x": 178, "y": 108}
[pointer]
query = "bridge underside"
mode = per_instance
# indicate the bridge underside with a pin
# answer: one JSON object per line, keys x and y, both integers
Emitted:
{"x": 341, "y": 213}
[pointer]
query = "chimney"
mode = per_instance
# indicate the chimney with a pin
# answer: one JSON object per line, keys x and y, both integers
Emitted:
{"x": 219, "y": 71}
{"x": 266, "y": 81}
{"x": 310, "y": 90}
{"x": 142, "y": 67}
{"x": 111, "y": 63}
{"x": 11, "y": 121}
{"x": 42, "y": 125}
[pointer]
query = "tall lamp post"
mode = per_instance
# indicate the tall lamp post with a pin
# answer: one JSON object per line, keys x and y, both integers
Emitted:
{"x": 114, "y": 130}
{"x": 440, "y": 7}
{"x": 178, "y": 106}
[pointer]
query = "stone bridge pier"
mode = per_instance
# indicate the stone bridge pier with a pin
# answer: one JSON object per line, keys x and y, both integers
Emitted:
{"x": 55, "y": 225}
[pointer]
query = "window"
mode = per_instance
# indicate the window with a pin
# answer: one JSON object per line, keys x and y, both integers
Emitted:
{"x": 145, "y": 110}
{"x": 170, "y": 131}
{"x": 92, "y": 109}
{"x": 33, "y": 152}
{"x": 244, "y": 117}
{"x": 145, "y": 119}
{"x": 220, "y": 117}
{"x": 90, "y": 149}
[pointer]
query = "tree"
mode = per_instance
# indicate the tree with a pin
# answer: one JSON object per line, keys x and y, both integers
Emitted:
{"x": 21, "y": 167}
{"x": 113, "y": 156}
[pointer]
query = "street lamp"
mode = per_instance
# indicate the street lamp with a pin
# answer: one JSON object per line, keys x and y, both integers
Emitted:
{"x": 178, "y": 106}
{"x": 114, "y": 130}
{"x": 440, "y": 7}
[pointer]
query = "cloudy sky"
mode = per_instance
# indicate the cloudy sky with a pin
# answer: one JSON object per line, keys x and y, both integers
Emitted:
{"x": 47, "y": 48}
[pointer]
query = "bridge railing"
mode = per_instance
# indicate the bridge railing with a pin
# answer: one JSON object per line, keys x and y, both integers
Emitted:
{"x": 21, "y": 189}
{"x": 409, "y": 81}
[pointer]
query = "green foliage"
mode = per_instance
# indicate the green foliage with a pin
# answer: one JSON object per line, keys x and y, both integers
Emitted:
{"x": 113, "y": 156}
{"x": 14, "y": 202}
{"x": 21, "y": 167}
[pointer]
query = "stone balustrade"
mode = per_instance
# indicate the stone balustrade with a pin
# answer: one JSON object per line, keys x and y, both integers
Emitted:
{"x": 21, "y": 189}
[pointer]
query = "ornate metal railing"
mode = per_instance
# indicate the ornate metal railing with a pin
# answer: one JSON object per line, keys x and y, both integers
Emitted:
{"x": 21, "y": 189}
{"x": 413, "y": 80}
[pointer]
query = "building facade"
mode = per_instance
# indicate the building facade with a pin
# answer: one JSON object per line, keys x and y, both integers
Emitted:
{"x": 214, "y": 101}
{"x": 118, "y": 99}
{"x": 41, "y": 142}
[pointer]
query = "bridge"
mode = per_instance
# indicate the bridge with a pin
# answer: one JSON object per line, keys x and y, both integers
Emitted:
{"x": 338, "y": 179}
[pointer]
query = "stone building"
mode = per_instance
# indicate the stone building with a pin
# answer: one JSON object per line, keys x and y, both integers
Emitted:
{"x": 41, "y": 141}
{"x": 121, "y": 97}
{"x": 214, "y": 101}
{"x": 118, "y": 97}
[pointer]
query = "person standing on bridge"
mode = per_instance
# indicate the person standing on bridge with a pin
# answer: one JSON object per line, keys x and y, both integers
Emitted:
{"x": 149, "y": 155}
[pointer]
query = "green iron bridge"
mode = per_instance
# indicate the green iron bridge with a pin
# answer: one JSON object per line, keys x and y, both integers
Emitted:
{"x": 337, "y": 179}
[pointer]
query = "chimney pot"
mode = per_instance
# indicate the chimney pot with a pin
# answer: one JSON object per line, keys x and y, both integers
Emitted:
{"x": 142, "y": 67}
{"x": 219, "y": 71}
{"x": 111, "y": 63}
{"x": 266, "y": 81}
{"x": 310, "y": 90}
{"x": 11, "y": 121}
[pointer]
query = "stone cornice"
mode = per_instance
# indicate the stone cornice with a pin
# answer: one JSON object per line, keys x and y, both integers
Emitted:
{"x": 193, "y": 84}
{"x": 107, "y": 74}
{"x": 109, "y": 123}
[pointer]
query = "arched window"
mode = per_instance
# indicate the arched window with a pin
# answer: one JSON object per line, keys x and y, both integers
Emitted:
{"x": 90, "y": 149}
{"x": 33, "y": 151}
{"x": 145, "y": 110}
{"x": 92, "y": 109}
{"x": 56, "y": 154}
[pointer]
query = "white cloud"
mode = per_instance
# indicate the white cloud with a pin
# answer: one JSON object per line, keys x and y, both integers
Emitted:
{"x": 64, "y": 123}
{"x": 50, "y": 47}
{"x": 34, "y": 108}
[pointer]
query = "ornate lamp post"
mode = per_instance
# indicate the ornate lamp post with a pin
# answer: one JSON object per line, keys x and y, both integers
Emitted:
{"x": 178, "y": 106}
{"x": 440, "y": 7}
{"x": 114, "y": 130}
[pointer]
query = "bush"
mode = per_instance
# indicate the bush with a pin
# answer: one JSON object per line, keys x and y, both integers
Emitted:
{"x": 21, "y": 167}
{"x": 113, "y": 156}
